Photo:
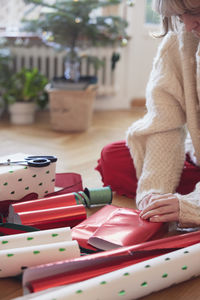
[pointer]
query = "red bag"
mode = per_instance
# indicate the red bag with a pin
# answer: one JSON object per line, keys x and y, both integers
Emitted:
{"x": 112, "y": 227}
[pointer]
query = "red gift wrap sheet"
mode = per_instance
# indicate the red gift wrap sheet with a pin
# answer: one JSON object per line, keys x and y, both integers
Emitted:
{"x": 113, "y": 227}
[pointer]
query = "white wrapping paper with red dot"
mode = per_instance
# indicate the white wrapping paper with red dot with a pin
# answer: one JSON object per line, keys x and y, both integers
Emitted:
{"x": 131, "y": 282}
{"x": 16, "y": 181}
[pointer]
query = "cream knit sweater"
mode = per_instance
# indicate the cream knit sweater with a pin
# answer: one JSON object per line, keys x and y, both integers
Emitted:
{"x": 157, "y": 141}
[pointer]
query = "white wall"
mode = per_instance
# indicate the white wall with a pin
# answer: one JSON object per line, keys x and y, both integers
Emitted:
{"x": 136, "y": 62}
{"x": 12, "y": 11}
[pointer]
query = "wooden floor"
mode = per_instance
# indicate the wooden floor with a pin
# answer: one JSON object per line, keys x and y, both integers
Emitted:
{"x": 79, "y": 152}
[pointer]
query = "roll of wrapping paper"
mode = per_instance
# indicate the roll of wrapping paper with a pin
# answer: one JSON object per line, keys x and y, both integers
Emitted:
{"x": 89, "y": 197}
{"x": 14, "y": 261}
{"x": 44, "y": 203}
{"x": 52, "y": 218}
{"x": 132, "y": 282}
{"x": 53, "y": 275}
{"x": 41, "y": 237}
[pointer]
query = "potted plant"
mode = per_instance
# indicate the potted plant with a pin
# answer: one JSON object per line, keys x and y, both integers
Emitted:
{"x": 24, "y": 90}
{"x": 74, "y": 26}
{"x": 5, "y": 74}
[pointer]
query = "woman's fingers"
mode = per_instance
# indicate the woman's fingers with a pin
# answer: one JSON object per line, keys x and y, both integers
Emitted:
{"x": 165, "y": 218}
{"x": 156, "y": 202}
{"x": 145, "y": 201}
{"x": 148, "y": 199}
{"x": 161, "y": 208}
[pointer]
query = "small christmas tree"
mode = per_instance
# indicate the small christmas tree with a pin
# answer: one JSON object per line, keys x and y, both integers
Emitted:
{"x": 75, "y": 25}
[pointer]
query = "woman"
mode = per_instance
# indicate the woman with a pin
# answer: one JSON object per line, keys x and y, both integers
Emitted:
{"x": 157, "y": 141}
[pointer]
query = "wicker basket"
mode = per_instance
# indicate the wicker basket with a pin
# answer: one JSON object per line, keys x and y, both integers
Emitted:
{"x": 71, "y": 110}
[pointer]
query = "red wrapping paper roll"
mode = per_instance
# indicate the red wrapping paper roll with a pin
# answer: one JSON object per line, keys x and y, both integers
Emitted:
{"x": 52, "y": 218}
{"x": 97, "y": 264}
{"x": 93, "y": 269}
{"x": 44, "y": 203}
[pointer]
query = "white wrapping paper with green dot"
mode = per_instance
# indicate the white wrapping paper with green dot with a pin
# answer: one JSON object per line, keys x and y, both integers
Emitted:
{"x": 18, "y": 180}
{"x": 131, "y": 282}
{"x": 20, "y": 251}
{"x": 41, "y": 237}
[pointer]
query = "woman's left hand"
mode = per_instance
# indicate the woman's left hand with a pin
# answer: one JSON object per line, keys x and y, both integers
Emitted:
{"x": 161, "y": 208}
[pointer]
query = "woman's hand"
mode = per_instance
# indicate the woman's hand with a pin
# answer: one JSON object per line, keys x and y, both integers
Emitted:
{"x": 160, "y": 208}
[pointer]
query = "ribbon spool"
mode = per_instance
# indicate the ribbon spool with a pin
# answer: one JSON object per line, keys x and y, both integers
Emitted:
{"x": 100, "y": 196}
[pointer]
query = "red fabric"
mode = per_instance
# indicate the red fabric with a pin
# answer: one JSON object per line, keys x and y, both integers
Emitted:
{"x": 117, "y": 170}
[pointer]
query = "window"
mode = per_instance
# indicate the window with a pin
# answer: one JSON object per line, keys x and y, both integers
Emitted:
{"x": 151, "y": 17}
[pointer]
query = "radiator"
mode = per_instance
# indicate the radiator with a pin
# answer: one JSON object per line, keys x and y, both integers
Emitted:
{"x": 51, "y": 64}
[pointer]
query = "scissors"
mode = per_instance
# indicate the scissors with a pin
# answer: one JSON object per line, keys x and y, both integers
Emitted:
{"x": 32, "y": 161}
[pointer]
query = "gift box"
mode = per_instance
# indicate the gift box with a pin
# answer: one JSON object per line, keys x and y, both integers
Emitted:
{"x": 17, "y": 181}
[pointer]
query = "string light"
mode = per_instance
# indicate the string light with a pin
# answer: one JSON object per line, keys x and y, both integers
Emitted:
{"x": 78, "y": 20}
{"x": 124, "y": 42}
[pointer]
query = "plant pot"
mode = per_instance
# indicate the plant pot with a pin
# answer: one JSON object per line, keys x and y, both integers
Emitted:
{"x": 71, "y": 110}
{"x": 22, "y": 113}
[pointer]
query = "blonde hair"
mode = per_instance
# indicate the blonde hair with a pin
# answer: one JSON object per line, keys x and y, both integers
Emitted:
{"x": 171, "y": 9}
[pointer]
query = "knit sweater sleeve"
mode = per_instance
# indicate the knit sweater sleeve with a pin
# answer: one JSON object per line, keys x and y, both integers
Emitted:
{"x": 156, "y": 141}
{"x": 189, "y": 204}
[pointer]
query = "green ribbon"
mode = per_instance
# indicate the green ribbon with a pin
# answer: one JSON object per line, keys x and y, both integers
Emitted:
{"x": 19, "y": 227}
{"x": 13, "y": 226}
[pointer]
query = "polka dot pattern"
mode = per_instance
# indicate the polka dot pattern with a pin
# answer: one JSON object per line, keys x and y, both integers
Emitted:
{"x": 126, "y": 282}
{"x": 18, "y": 252}
{"x": 18, "y": 181}
{"x": 122, "y": 293}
